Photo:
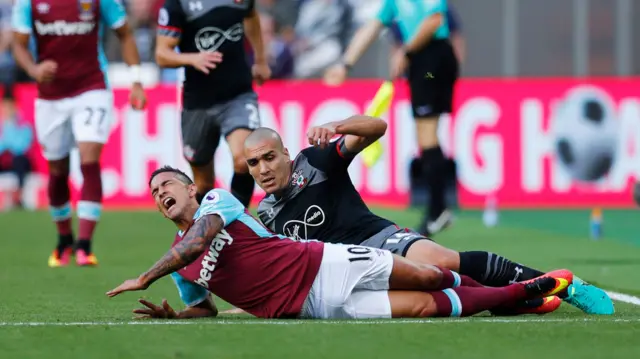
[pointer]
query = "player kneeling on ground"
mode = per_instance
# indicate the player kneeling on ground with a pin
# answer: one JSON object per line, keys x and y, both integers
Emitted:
{"x": 313, "y": 197}
{"x": 222, "y": 249}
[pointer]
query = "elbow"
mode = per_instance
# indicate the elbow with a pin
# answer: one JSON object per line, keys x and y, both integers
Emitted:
{"x": 160, "y": 58}
{"x": 381, "y": 127}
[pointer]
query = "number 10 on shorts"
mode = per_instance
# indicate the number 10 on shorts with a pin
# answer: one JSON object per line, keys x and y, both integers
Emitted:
{"x": 359, "y": 254}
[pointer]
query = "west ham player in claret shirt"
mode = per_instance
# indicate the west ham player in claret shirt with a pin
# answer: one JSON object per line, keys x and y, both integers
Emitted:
{"x": 74, "y": 106}
{"x": 222, "y": 249}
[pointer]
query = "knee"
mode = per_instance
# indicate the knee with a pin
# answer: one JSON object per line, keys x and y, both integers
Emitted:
{"x": 424, "y": 306}
{"x": 240, "y": 164}
{"x": 203, "y": 177}
{"x": 429, "y": 276}
{"x": 425, "y": 309}
{"x": 203, "y": 185}
{"x": 58, "y": 169}
{"x": 90, "y": 152}
{"x": 431, "y": 253}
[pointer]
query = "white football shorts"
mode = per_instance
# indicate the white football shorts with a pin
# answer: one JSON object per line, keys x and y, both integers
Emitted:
{"x": 352, "y": 283}
{"x": 60, "y": 124}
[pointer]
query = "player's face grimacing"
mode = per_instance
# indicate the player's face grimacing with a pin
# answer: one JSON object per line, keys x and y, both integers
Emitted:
{"x": 171, "y": 195}
{"x": 269, "y": 164}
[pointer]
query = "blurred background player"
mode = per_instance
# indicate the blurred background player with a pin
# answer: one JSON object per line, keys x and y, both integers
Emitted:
{"x": 218, "y": 97}
{"x": 16, "y": 136}
{"x": 74, "y": 104}
{"x": 432, "y": 68}
{"x": 15, "y": 141}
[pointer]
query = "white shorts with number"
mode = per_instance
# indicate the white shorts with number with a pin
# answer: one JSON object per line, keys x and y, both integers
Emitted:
{"x": 60, "y": 124}
{"x": 353, "y": 282}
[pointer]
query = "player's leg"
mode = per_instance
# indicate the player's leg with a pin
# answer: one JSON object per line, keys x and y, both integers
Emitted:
{"x": 452, "y": 302}
{"x": 484, "y": 267}
{"x": 495, "y": 271}
{"x": 376, "y": 269}
{"x": 91, "y": 120}
{"x": 21, "y": 168}
{"x": 239, "y": 119}
{"x": 419, "y": 274}
{"x": 460, "y": 301}
{"x": 427, "y": 80}
{"x": 55, "y": 137}
{"x": 200, "y": 139}
{"x": 242, "y": 183}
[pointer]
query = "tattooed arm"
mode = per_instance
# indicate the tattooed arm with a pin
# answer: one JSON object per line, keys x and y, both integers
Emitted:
{"x": 195, "y": 242}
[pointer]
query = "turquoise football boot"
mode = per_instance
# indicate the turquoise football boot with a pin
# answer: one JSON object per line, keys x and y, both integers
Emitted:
{"x": 589, "y": 298}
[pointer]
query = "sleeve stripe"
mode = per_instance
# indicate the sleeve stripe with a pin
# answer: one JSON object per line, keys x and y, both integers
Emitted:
{"x": 338, "y": 148}
{"x": 118, "y": 24}
{"x": 22, "y": 30}
{"x": 169, "y": 28}
{"x": 342, "y": 149}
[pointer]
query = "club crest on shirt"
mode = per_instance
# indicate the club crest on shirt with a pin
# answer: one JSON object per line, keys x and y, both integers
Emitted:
{"x": 271, "y": 213}
{"x": 43, "y": 8}
{"x": 297, "y": 179}
{"x": 85, "y": 8}
{"x": 212, "y": 197}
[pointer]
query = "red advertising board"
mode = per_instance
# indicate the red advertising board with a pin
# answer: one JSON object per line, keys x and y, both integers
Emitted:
{"x": 499, "y": 134}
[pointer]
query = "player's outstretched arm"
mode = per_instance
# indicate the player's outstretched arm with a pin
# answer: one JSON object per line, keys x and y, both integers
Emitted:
{"x": 195, "y": 242}
{"x": 360, "y": 131}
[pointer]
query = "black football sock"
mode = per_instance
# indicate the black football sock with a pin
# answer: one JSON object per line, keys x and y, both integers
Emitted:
{"x": 242, "y": 187}
{"x": 434, "y": 165}
{"x": 84, "y": 244}
{"x": 494, "y": 270}
{"x": 64, "y": 241}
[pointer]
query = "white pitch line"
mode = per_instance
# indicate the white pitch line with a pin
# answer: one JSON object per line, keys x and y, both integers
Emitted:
{"x": 626, "y": 298}
{"x": 323, "y": 322}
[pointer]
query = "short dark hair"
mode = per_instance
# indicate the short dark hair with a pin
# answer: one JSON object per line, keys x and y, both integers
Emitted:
{"x": 181, "y": 176}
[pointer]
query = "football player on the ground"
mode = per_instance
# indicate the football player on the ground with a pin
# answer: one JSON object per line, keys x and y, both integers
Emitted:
{"x": 312, "y": 197}
{"x": 222, "y": 249}
{"x": 75, "y": 104}
{"x": 218, "y": 97}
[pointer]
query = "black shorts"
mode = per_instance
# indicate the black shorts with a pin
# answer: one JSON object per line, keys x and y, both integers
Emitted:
{"x": 432, "y": 75}
{"x": 394, "y": 239}
{"x": 202, "y": 128}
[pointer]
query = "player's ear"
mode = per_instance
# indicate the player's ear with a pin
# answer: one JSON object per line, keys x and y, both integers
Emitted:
{"x": 286, "y": 152}
{"x": 192, "y": 189}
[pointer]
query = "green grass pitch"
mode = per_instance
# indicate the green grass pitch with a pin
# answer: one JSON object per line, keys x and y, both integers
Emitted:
{"x": 63, "y": 313}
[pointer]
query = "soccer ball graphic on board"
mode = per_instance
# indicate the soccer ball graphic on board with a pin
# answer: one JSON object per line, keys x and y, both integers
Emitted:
{"x": 586, "y": 133}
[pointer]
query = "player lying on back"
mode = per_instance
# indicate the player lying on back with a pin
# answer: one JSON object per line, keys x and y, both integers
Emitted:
{"x": 222, "y": 249}
{"x": 312, "y": 197}
{"x": 74, "y": 105}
